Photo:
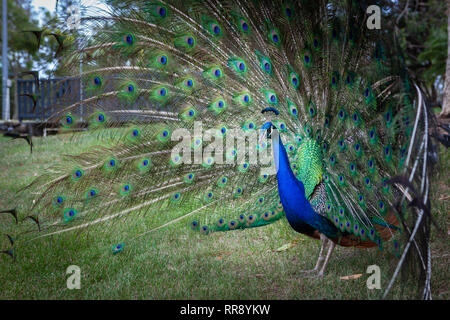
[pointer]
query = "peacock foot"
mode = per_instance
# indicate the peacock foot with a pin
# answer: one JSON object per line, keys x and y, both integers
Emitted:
{"x": 311, "y": 274}
{"x": 309, "y": 271}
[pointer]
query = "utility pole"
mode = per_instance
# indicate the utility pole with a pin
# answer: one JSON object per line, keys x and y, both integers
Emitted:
{"x": 5, "y": 95}
{"x": 74, "y": 24}
{"x": 81, "y": 63}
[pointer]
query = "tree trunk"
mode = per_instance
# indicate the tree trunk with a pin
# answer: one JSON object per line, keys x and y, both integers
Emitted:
{"x": 445, "y": 113}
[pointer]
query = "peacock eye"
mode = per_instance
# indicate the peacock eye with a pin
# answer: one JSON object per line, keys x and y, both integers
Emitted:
{"x": 190, "y": 41}
{"x": 97, "y": 81}
{"x": 162, "y": 12}
{"x": 288, "y": 12}
{"x": 129, "y": 39}
{"x": 275, "y": 36}
{"x": 215, "y": 29}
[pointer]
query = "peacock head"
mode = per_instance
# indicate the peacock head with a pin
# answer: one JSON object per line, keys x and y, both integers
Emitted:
{"x": 268, "y": 126}
{"x": 267, "y": 129}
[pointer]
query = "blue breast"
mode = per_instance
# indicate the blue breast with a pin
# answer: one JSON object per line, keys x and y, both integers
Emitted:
{"x": 297, "y": 208}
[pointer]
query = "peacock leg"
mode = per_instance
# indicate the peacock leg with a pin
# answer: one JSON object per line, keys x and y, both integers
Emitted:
{"x": 330, "y": 251}
{"x": 323, "y": 240}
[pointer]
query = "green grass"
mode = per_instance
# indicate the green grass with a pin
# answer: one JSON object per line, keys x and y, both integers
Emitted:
{"x": 175, "y": 263}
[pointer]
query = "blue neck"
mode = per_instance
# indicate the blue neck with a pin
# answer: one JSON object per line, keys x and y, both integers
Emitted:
{"x": 297, "y": 208}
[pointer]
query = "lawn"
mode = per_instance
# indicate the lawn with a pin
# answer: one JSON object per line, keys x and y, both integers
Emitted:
{"x": 176, "y": 263}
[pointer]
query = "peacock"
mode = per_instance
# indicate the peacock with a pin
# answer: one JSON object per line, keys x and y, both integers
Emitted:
{"x": 238, "y": 113}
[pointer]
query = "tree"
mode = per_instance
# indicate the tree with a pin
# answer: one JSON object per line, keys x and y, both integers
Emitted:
{"x": 422, "y": 26}
{"x": 446, "y": 103}
{"x": 22, "y": 46}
